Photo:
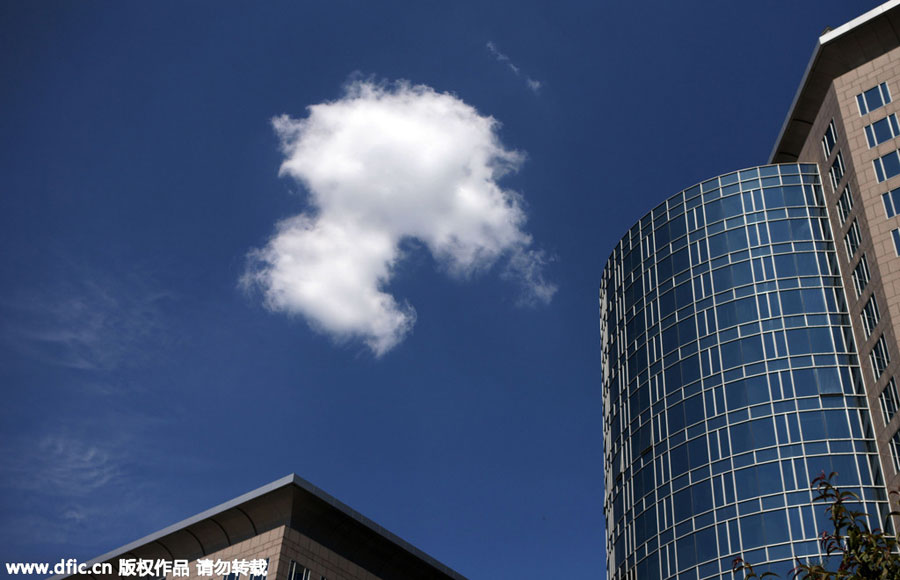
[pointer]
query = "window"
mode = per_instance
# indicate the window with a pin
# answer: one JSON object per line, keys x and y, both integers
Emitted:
{"x": 829, "y": 139}
{"x": 870, "y": 315}
{"x": 836, "y": 173}
{"x": 861, "y": 275}
{"x": 888, "y": 166}
{"x": 896, "y": 235}
{"x": 895, "y": 451}
{"x": 845, "y": 204}
{"x": 238, "y": 575}
{"x": 889, "y": 400}
{"x": 883, "y": 130}
{"x": 298, "y": 572}
{"x": 852, "y": 240}
{"x": 891, "y": 201}
{"x": 874, "y": 98}
{"x": 260, "y": 576}
{"x": 879, "y": 357}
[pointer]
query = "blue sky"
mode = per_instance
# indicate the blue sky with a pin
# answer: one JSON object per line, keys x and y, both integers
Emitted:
{"x": 155, "y": 360}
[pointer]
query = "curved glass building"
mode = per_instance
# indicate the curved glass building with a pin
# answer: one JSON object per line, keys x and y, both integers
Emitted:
{"x": 730, "y": 380}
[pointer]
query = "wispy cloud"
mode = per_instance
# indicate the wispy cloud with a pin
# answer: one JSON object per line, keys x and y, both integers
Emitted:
{"x": 66, "y": 482}
{"x": 87, "y": 320}
{"x": 533, "y": 85}
{"x": 55, "y": 484}
{"x": 384, "y": 164}
{"x": 83, "y": 335}
{"x": 62, "y": 465}
{"x": 62, "y": 489}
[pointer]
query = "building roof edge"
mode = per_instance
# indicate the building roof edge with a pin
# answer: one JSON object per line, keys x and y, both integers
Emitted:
{"x": 823, "y": 40}
{"x": 292, "y": 479}
{"x": 787, "y": 119}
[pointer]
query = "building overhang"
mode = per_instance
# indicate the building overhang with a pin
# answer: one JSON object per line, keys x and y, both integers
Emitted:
{"x": 294, "y": 502}
{"x": 837, "y": 52}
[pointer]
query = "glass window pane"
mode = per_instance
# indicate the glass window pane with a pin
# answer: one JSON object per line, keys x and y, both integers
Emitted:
{"x": 770, "y": 481}
{"x": 763, "y": 432}
{"x": 812, "y": 425}
{"x": 686, "y": 550}
{"x": 701, "y": 497}
{"x": 752, "y": 531}
{"x": 873, "y": 98}
{"x": 741, "y": 439}
{"x": 891, "y": 165}
{"x": 836, "y": 423}
{"x": 682, "y": 503}
{"x": 882, "y": 131}
{"x": 746, "y": 483}
{"x": 775, "y": 524}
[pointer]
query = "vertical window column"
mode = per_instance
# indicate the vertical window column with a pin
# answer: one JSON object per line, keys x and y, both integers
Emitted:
{"x": 861, "y": 275}
{"x": 879, "y": 357}
{"x": 889, "y": 400}
{"x": 829, "y": 140}
{"x": 836, "y": 173}
{"x": 852, "y": 240}
{"x": 870, "y": 315}
{"x": 895, "y": 451}
{"x": 845, "y": 204}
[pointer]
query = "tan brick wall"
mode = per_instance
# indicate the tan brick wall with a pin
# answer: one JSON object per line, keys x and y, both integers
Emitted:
{"x": 281, "y": 546}
{"x": 265, "y": 545}
{"x": 875, "y": 227}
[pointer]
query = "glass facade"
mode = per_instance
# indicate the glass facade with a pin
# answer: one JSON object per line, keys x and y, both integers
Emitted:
{"x": 730, "y": 380}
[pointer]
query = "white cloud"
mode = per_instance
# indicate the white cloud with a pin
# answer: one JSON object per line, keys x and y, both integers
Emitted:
{"x": 532, "y": 84}
{"x": 381, "y": 165}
